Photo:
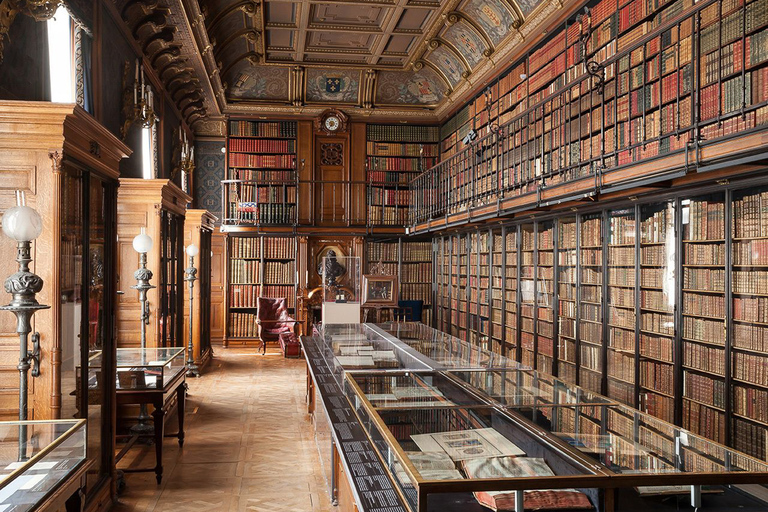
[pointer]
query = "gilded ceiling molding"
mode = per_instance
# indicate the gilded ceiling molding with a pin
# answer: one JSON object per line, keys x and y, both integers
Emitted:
{"x": 368, "y": 88}
{"x": 201, "y": 41}
{"x": 296, "y": 86}
{"x": 516, "y": 10}
{"x": 211, "y": 127}
{"x": 251, "y": 35}
{"x": 245, "y": 6}
{"x": 258, "y": 108}
{"x": 435, "y": 29}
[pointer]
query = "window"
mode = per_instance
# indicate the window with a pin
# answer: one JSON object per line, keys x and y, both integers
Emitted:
{"x": 147, "y": 153}
{"x": 60, "y": 57}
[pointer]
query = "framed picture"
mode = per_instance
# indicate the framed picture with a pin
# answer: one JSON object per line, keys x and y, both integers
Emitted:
{"x": 380, "y": 290}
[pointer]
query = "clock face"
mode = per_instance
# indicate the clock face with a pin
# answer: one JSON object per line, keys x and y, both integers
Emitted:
{"x": 332, "y": 123}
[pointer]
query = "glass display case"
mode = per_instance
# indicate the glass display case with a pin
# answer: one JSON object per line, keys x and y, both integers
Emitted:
{"x": 497, "y": 436}
{"x": 36, "y": 458}
{"x": 150, "y": 368}
{"x": 341, "y": 277}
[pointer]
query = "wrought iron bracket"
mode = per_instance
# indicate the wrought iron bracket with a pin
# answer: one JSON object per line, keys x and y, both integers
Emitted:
{"x": 33, "y": 357}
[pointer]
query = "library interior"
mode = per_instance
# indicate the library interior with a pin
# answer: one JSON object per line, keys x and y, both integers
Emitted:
{"x": 384, "y": 255}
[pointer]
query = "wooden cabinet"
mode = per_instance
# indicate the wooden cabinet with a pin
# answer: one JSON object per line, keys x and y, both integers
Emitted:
{"x": 160, "y": 206}
{"x": 198, "y": 230}
{"x": 67, "y": 165}
{"x": 218, "y": 287}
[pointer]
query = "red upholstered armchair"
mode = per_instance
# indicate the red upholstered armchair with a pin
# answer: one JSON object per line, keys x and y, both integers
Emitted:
{"x": 273, "y": 320}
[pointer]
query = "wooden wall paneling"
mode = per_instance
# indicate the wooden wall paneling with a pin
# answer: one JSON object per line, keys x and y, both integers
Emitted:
{"x": 218, "y": 287}
{"x": 139, "y": 204}
{"x": 305, "y": 164}
{"x": 197, "y": 221}
{"x": 34, "y": 138}
{"x": 331, "y": 180}
{"x": 357, "y": 175}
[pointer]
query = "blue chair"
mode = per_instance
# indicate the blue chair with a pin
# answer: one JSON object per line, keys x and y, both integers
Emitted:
{"x": 412, "y": 309}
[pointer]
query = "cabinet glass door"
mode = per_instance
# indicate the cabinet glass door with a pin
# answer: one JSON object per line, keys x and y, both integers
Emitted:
{"x": 591, "y": 302}
{"x": 86, "y": 322}
{"x": 567, "y": 287}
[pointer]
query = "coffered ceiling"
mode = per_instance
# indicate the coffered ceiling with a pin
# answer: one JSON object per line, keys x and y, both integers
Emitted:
{"x": 384, "y": 57}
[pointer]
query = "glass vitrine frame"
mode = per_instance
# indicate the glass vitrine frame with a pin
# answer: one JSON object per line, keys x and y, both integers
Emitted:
{"x": 76, "y": 432}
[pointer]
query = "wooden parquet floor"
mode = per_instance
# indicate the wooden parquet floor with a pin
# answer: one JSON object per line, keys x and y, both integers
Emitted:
{"x": 249, "y": 444}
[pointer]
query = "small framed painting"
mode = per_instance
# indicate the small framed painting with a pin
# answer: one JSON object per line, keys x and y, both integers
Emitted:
{"x": 379, "y": 290}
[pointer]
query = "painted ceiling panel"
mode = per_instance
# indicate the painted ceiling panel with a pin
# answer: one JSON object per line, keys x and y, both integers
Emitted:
{"x": 423, "y": 87}
{"x": 493, "y": 17}
{"x": 353, "y": 16}
{"x": 332, "y": 86}
{"x": 467, "y": 41}
{"x": 279, "y": 39}
{"x": 248, "y": 82}
{"x": 339, "y": 40}
{"x": 447, "y": 62}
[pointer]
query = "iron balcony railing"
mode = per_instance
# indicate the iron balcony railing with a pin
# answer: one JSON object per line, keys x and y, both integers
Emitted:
{"x": 261, "y": 203}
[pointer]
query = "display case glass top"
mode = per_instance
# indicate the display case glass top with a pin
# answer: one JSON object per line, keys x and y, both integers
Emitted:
{"x": 36, "y": 457}
{"x": 147, "y": 368}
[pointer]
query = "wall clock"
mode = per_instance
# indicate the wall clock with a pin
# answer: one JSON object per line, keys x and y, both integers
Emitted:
{"x": 331, "y": 122}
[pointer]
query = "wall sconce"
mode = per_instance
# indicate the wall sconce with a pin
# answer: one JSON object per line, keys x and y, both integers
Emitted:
{"x": 138, "y": 103}
{"x": 24, "y": 224}
{"x": 187, "y": 160}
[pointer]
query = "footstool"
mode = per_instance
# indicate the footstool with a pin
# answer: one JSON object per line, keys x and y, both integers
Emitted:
{"x": 289, "y": 345}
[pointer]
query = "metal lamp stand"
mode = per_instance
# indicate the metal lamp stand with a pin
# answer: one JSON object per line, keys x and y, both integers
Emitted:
{"x": 190, "y": 275}
{"x": 142, "y": 276}
{"x": 23, "y": 286}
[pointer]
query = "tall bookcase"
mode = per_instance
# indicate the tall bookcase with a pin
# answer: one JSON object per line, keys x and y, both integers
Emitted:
{"x": 672, "y": 297}
{"x": 411, "y": 262}
{"x": 261, "y": 185}
{"x": 497, "y": 283}
{"x": 395, "y": 154}
{"x": 259, "y": 266}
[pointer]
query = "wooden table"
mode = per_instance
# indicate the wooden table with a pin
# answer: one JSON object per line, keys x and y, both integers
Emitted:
{"x": 162, "y": 399}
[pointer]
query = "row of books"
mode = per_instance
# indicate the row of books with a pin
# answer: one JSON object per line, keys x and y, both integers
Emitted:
{"x": 704, "y": 389}
{"x": 263, "y": 213}
{"x": 266, "y": 176}
{"x": 387, "y": 197}
{"x": 702, "y": 420}
{"x": 751, "y": 309}
{"x": 279, "y": 272}
{"x": 262, "y": 161}
{"x": 750, "y": 368}
{"x": 242, "y": 247}
{"x": 279, "y": 129}
{"x": 279, "y": 248}
{"x": 399, "y": 179}
{"x": 383, "y": 251}
{"x": 388, "y": 215}
{"x": 416, "y": 273}
{"x": 244, "y": 271}
{"x": 243, "y": 325}
{"x": 401, "y": 149}
{"x": 261, "y": 146}
{"x": 247, "y": 193}
{"x": 244, "y": 295}
{"x": 752, "y": 212}
{"x": 287, "y": 292}
{"x": 393, "y": 163}
{"x": 416, "y": 291}
{"x": 404, "y": 133}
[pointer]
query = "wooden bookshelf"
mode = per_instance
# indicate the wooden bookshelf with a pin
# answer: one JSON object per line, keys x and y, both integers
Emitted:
{"x": 528, "y": 294}
{"x": 259, "y": 266}
{"x": 567, "y": 291}
{"x": 621, "y": 305}
{"x": 412, "y": 263}
{"x": 511, "y": 299}
{"x": 704, "y": 311}
{"x": 658, "y": 253}
{"x": 261, "y": 185}
{"x": 590, "y": 293}
{"x": 545, "y": 297}
{"x": 497, "y": 291}
{"x": 395, "y": 154}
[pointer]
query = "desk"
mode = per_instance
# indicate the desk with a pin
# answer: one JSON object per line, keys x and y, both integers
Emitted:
{"x": 155, "y": 377}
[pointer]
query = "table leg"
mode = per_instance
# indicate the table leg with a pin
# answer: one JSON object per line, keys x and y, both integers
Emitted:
{"x": 181, "y": 394}
{"x": 159, "y": 416}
